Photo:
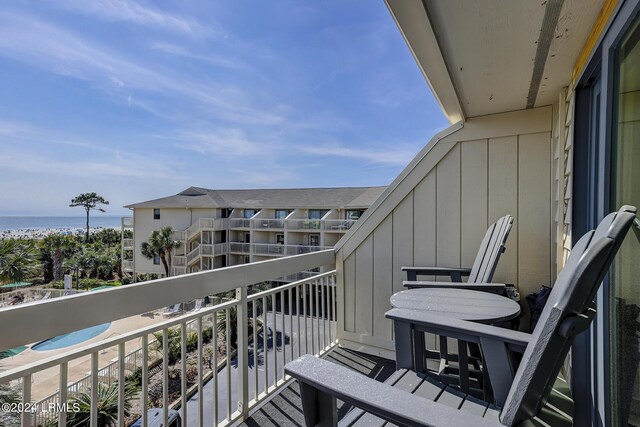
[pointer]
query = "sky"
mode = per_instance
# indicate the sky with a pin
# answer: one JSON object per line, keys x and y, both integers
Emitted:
{"x": 137, "y": 100}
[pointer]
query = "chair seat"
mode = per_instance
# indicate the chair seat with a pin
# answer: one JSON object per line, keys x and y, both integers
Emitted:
{"x": 557, "y": 412}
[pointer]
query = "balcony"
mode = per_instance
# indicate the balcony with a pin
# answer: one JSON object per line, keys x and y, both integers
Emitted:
{"x": 127, "y": 222}
{"x": 268, "y": 249}
{"x": 127, "y": 244}
{"x": 127, "y": 265}
{"x": 240, "y": 223}
{"x": 267, "y": 224}
{"x": 239, "y": 248}
{"x": 272, "y": 327}
{"x": 303, "y": 224}
{"x": 337, "y": 225}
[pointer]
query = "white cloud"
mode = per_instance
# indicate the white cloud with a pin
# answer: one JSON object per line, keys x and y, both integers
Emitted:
{"x": 217, "y": 60}
{"x": 388, "y": 157}
{"x": 136, "y": 13}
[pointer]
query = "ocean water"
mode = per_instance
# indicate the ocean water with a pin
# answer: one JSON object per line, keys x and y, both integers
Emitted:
{"x": 42, "y": 222}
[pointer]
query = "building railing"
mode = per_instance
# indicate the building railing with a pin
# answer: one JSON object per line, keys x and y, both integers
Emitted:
{"x": 179, "y": 261}
{"x": 304, "y": 249}
{"x": 126, "y": 221}
{"x": 242, "y": 248}
{"x": 272, "y": 327}
{"x": 304, "y": 224}
{"x": 206, "y": 224}
{"x": 338, "y": 225}
{"x": 267, "y": 224}
{"x": 239, "y": 223}
{"x": 177, "y": 270}
{"x": 268, "y": 249}
{"x": 127, "y": 265}
{"x": 195, "y": 253}
{"x": 180, "y": 235}
{"x": 127, "y": 243}
{"x": 214, "y": 250}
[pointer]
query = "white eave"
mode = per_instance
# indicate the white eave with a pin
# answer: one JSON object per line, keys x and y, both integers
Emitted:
{"x": 413, "y": 23}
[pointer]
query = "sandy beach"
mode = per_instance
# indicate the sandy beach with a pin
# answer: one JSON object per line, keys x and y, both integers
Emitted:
{"x": 41, "y": 233}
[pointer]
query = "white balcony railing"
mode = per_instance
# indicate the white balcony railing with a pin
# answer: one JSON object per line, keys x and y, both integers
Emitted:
{"x": 195, "y": 253}
{"x": 239, "y": 248}
{"x": 273, "y": 327}
{"x": 127, "y": 265}
{"x": 179, "y": 261}
{"x": 337, "y": 225}
{"x": 206, "y": 224}
{"x": 268, "y": 249}
{"x": 304, "y": 224}
{"x": 304, "y": 249}
{"x": 127, "y": 243}
{"x": 126, "y": 221}
{"x": 267, "y": 224}
{"x": 239, "y": 223}
{"x": 177, "y": 270}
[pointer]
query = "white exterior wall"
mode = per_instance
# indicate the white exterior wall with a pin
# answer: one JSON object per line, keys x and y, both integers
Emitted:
{"x": 144, "y": 225}
{"x": 437, "y": 211}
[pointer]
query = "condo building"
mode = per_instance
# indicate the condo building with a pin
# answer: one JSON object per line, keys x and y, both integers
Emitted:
{"x": 219, "y": 228}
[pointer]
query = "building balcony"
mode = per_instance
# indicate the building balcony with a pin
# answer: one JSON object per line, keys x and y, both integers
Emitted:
{"x": 126, "y": 222}
{"x": 267, "y": 224}
{"x": 338, "y": 225}
{"x": 239, "y": 223}
{"x": 272, "y": 326}
{"x": 127, "y": 265}
{"x": 127, "y": 244}
{"x": 304, "y": 224}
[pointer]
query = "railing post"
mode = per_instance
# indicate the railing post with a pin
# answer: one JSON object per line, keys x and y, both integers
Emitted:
{"x": 242, "y": 354}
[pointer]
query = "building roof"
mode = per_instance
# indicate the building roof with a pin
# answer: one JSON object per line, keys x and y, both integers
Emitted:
{"x": 291, "y": 198}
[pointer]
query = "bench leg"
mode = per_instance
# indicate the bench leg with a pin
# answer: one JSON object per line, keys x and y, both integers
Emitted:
{"x": 319, "y": 408}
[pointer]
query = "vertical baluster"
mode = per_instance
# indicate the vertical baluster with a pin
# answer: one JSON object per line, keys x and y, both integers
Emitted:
{"x": 265, "y": 353}
{"x": 26, "y": 398}
{"x": 165, "y": 376}
{"x": 322, "y": 313}
{"x": 121, "y": 381}
{"x": 330, "y": 290}
{"x": 274, "y": 336}
{"x": 145, "y": 379}
{"x": 300, "y": 335}
{"x": 228, "y": 364}
{"x": 304, "y": 309}
{"x": 242, "y": 346}
{"x": 62, "y": 386}
{"x": 183, "y": 373}
{"x": 283, "y": 334}
{"x": 313, "y": 302}
{"x": 200, "y": 394}
{"x": 255, "y": 349}
{"x": 94, "y": 390}
{"x": 215, "y": 367}
{"x": 289, "y": 299}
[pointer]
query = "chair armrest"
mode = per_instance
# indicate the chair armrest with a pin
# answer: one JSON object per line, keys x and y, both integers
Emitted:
{"x": 498, "y": 288}
{"x": 321, "y": 382}
{"x": 459, "y": 329}
{"x": 453, "y": 272}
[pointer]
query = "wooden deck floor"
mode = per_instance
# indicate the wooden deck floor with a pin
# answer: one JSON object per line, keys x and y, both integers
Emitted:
{"x": 285, "y": 409}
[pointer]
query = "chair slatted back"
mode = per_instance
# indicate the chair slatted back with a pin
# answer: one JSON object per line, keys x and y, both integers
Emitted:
{"x": 569, "y": 311}
{"x": 492, "y": 246}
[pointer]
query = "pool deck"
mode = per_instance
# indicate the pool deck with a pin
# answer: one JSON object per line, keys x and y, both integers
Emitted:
{"x": 45, "y": 382}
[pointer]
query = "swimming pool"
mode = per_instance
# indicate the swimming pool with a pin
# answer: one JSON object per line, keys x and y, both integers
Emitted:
{"x": 72, "y": 338}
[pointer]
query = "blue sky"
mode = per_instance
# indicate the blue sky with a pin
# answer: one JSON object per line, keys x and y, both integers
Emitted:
{"x": 138, "y": 100}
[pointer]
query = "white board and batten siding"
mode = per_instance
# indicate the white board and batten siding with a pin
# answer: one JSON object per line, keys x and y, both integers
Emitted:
{"x": 437, "y": 211}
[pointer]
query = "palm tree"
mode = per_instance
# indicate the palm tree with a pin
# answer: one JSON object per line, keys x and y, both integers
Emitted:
{"x": 54, "y": 249}
{"x": 89, "y": 201}
{"x": 161, "y": 244}
{"x": 17, "y": 260}
{"x": 107, "y": 405}
{"x": 233, "y": 325}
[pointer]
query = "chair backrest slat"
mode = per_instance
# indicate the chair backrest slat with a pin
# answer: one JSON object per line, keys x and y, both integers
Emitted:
{"x": 491, "y": 248}
{"x": 571, "y": 298}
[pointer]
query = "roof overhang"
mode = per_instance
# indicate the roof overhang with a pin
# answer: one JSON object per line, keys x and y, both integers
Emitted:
{"x": 413, "y": 22}
{"x": 490, "y": 56}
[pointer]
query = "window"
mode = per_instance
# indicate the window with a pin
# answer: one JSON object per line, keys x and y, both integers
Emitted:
{"x": 282, "y": 213}
{"x": 156, "y": 260}
{"x": 280, "y": 239}
{"x": 314, "y": 240}
{"x": 248, "y": 213}
{"x": 317, "y": 213}
{"x": 156, "y": 213}
{"x": 354, "y": 214}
